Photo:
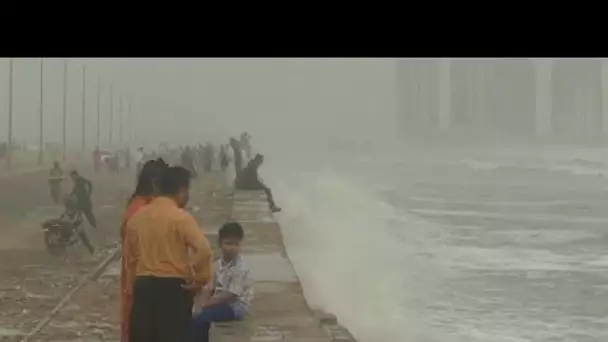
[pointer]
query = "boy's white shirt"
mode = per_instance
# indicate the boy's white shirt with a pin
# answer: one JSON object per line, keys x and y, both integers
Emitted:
{"x": 207, "y": 291}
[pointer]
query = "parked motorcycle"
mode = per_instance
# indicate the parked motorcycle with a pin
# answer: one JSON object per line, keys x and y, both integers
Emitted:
{"x": 67, "y": 230}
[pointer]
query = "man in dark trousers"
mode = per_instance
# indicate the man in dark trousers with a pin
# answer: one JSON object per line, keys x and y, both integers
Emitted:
{"x": 248, "y": 179}
{"x": 238, "y": 156}
{"x": 170, "y": 259}
{"x": 82, "y": 190}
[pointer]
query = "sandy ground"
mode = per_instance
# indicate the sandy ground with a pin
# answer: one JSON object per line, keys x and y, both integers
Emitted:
{"x": 33, "y": 281}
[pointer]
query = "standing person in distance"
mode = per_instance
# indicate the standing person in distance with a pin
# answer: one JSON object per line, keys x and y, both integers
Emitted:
{"x": 238, "y": 156}
{"x": 55, "y": 179}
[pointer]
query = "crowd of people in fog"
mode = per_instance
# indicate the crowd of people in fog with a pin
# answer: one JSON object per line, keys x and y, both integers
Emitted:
{"x": 196, "y": 158}
{"x": 171, "y": 290}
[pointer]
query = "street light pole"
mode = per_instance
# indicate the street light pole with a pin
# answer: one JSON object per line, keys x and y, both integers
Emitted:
{"x": 111, "y": 114}
{"x": 98, "y": 111}
{"x": 41, "y": 113}
{"x": 120, "y": 123}
{"x": 65, "y": 110}
{"x": 84, "y": 99}
{"x": 10, "y": 116}
{"x": 130, "y": 122}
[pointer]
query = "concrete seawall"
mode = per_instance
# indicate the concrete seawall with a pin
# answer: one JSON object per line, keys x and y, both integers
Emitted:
{"x": 279, "y": 311}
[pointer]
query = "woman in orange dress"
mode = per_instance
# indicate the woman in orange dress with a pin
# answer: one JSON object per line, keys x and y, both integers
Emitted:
{"x": 144, "y": 192}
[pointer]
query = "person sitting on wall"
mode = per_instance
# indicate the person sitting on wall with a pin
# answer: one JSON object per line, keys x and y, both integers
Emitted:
{"x": 230, "y": 295}
{"x": 248, "y": 179}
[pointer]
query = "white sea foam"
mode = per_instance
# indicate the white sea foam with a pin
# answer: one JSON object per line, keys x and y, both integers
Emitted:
{"x": 390, "y": 275}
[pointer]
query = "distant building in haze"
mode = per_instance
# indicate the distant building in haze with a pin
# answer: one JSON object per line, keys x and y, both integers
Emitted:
{"x": 558, "y": 100}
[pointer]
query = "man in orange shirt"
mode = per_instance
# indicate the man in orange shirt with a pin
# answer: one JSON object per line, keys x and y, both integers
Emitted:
{"x": 171, "y": 259}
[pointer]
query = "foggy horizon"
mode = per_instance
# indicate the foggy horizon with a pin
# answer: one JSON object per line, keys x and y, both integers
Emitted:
{"x": 189, "y": 100}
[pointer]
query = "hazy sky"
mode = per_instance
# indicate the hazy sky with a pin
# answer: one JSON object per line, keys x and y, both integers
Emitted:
{"x": 189, "y": 100}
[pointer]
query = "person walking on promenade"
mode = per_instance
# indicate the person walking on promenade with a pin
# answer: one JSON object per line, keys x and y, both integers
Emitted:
{"x": 171, "y": 260}
{"x": 146, "y": 189}
{"x": 82, "y": 190}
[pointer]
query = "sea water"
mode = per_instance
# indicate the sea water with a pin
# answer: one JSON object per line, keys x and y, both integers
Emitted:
{"x": 491, "y": 246}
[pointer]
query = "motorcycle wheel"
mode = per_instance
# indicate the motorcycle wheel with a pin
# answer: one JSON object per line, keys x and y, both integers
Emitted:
{"x": 52, "y": 244}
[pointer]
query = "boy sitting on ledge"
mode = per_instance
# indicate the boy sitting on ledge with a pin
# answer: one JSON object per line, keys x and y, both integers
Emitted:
{"x": 232, "y": 290}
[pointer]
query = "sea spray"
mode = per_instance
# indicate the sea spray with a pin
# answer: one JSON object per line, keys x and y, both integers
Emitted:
{"x": 494, "y": 259}
{"x": 348, "y": 250}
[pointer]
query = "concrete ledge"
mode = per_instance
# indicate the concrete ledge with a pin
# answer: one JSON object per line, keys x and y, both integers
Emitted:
{"x": 237, "y": 329}
{"x": 279, "y": 311}
{"x": 326, "y": 318}
{"x": 248, "y": 195}
{"x": 333, "y": 328}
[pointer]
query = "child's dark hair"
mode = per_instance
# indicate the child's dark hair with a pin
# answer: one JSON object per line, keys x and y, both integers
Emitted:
{"x": 231, "y": 230}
